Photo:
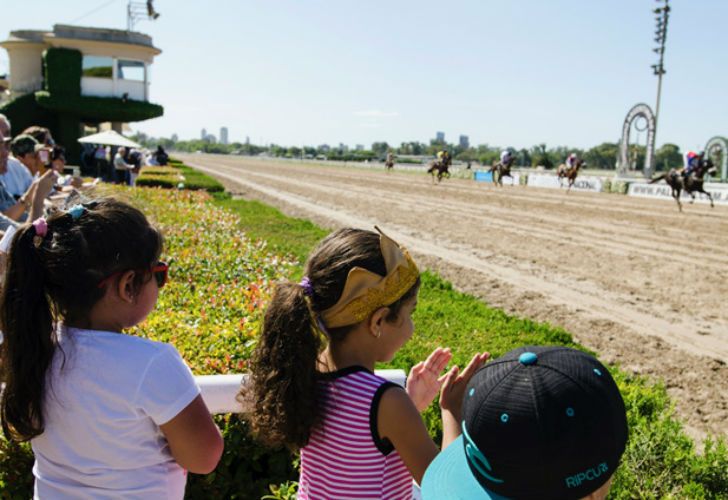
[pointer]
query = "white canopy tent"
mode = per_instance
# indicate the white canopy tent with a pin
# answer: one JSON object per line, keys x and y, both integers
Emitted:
{"x": 109, "y": 138}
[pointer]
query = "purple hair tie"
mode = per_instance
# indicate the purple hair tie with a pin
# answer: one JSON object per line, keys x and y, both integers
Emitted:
{"x": 307, "y": 286}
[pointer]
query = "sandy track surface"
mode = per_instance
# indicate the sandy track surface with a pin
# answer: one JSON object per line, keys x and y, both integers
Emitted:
{"x": 632, "y": 279}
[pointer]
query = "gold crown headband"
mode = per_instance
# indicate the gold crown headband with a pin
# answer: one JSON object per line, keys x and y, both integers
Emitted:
{"x": 365, "y": 291}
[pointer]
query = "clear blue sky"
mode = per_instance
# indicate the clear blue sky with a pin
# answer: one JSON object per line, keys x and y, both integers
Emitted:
{"x": 507, "y": 73}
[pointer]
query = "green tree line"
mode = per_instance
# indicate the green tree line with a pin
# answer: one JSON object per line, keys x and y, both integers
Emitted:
{"x": 602, "y": 156}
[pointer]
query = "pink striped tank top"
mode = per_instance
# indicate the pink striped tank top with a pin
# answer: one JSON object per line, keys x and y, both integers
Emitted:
{"x": 345, "y": 457}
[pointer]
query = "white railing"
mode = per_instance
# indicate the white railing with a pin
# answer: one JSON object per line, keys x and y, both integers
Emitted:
{"x": 219, "y": 391}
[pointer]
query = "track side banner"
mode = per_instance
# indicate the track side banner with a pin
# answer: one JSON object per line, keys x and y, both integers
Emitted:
{"x": 719, "y": 192}
{"x": 583, "y": 183}
{"x": 486, "y": 176}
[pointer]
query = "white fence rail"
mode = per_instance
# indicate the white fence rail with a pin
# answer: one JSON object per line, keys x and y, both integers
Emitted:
{"x": 219, "y": 391}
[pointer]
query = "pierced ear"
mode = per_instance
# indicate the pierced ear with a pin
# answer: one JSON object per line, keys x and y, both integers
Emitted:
{"x": 376, "y": 321}
{"x": 125, "y": 288}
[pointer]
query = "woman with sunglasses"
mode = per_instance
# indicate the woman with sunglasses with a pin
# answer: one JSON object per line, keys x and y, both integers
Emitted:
{"x": 108, "y": 415}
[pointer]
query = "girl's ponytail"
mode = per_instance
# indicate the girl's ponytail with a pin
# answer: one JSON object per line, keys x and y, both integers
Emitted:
{"x": 29, "y": 341}
{"x": 284, "y": 370}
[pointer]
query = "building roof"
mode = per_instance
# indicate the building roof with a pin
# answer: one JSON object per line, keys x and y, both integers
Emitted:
{"x": 68, "y": 32}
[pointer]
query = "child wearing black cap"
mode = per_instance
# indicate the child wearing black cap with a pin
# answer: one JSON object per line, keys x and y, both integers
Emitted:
{"x": 541, "y": 423}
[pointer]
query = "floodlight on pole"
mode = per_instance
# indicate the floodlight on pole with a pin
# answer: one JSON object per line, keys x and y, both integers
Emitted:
{"x": 658, "y": 69}
{"x": 138, "y": 11}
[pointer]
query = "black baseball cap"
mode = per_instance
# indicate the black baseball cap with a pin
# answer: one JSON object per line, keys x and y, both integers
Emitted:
{"x": 537, "y": 423}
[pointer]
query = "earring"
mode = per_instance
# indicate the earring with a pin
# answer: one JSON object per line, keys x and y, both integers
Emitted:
{"x": 379, "y": 333}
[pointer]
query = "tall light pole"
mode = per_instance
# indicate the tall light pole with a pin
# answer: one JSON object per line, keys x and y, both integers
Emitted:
{"x": 662, "y": 14}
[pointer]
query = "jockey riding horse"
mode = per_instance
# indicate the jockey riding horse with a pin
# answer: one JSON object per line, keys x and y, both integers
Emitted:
{"x": 502, "y": 169}
{"x": 692, "y": 182}
{"x": 440, "y": 166}
{"x": 570, "y": 170}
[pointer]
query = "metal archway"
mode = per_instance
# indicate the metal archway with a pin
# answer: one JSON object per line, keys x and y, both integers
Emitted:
{"x": 719, "y": 143}
{"x": 644, "y": 111}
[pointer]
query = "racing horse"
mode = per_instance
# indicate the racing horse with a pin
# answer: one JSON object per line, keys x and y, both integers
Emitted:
{"x": 569, "y": 173}
{"x": 389, "y": 163}
{"x": 691, "y": 184}
{"x": 439, "y": 169}
{"x": 500, "y": 170}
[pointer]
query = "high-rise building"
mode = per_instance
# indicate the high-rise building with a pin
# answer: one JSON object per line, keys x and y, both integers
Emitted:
{"x": 464, "y": 142}
{"x": 440, "y": 136}
{"x": 203, "y": 134}
{"x": 223, "y": 135}
{"x": 174, "y": 138}
{"x": 360, "y": 147}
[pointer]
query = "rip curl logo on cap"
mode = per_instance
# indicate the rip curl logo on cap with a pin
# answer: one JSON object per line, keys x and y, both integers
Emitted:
{"x": 590, "y": 474}
{"x": 477, "y": 459}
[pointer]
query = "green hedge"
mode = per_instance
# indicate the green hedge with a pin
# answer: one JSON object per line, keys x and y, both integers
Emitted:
{"x": 100, "y": 108}
{"x": 164, "y": 171}
{"x": 179, "y": 176}
{"x": 62, "y": 69}
{"x": 24, "y": 112}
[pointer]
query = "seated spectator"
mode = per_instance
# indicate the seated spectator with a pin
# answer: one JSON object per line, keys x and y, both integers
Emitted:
{"x": 17, "y": 179}
{"x": 31, "y": 202}
{"x": 25, "y": 149}
{"x": 540, "y": 422}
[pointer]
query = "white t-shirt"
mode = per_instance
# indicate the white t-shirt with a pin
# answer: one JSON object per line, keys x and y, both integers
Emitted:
{"x": 17, "y": 179}
{"x": 103, "y": 407}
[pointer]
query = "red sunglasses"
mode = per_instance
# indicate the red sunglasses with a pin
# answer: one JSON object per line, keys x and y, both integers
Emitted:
{"x": 159, "y": 271}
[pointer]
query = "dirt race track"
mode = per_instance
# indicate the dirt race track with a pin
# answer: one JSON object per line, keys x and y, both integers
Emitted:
{"x": 634, "y": 280}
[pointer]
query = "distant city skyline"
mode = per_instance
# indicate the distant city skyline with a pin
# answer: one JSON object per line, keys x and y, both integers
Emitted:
{"x": 507, "y": 74}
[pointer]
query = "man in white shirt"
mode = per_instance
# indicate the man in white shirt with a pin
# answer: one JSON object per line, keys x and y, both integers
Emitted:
{"x": 121, "y": 167}
{"x": 17, "y": 179}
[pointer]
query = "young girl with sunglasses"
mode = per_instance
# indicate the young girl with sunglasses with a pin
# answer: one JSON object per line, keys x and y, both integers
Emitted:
{"x": 108, "y": 415}
{"x": 313, "y": 381}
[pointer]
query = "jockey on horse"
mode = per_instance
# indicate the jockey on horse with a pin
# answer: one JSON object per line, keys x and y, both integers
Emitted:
{"x": 503, "y": 167}
{"x": 689, "y": 178}
{"x": 570, "y": 169}
{"x": 440, "y": 166}
{"x": 389, "y": 162}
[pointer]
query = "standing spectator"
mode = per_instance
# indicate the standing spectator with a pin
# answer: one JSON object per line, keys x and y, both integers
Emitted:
{"x": 17, "y": 179}
{"x": 161, "y": 156}
{"x": 136, "y": 161}
{"x": 121, "y": 167}
{"x": 101, "y": 163}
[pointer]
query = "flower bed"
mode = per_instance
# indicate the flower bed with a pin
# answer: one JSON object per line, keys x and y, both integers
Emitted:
{"x": 177, "y": 176}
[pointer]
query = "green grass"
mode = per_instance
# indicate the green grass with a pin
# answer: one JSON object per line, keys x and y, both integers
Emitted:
{"x": 284, "y": 235}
